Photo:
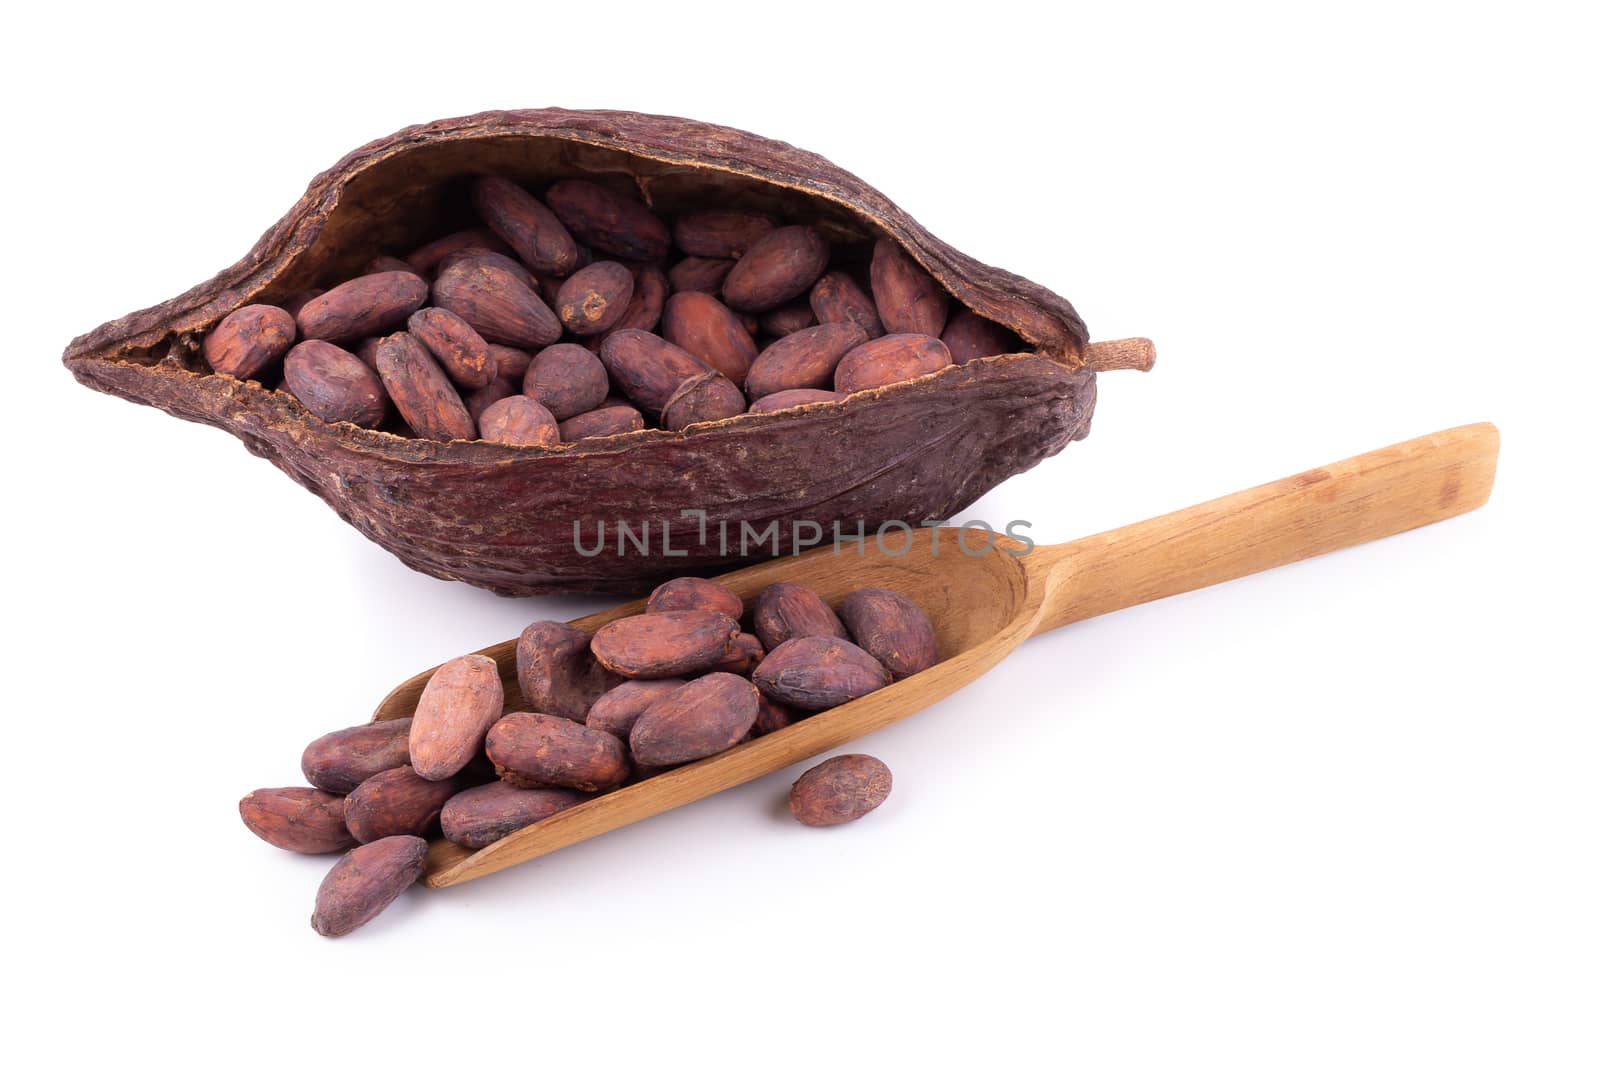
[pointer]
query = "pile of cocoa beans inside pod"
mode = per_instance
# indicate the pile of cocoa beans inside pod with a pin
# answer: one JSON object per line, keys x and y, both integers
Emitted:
{"x": 679, "y": 682}
{"x": 584, "y": 314}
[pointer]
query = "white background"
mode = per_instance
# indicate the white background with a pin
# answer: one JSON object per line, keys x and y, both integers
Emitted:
{"x": 1344, "y": 811}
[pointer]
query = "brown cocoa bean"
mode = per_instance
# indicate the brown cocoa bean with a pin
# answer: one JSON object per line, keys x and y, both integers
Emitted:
{"x": 839, "y": 790}
{"x": 802, "y": 360}
{"x": 426, "y": 259}
{"x": 720, "y": 234}
{"x": 396, "y": 802}
{"x": 891, "y": 358}
{"x": 617, "y": 710}
{"x": 367, "y": 351}
{"x": 306, "y": 820}
{"x": 710, "y": 397}
{"x": 786, "y": 610}
{"x": 609, "y": 223}
{"x": 695, "y": 594}
{"x": 367, "y": 880}
{"x": 970, "y": 336}
{"x": 381, "y": 264}
{"x": 480, "y": 400}
{"x": 249, "y": 340}
{"x": 362, "y": 307}
{"x": 510, "y": 363}
{"x": 504, "y": 262}
{"x": 294, "y": 303}
{"x": 837, "y": 298}
{"x": 420, "y": 390}
{"x": 461, "y": 352}
{"x": 531, "y": 229}
{"x": 791, "y": 318}
{"x": 459, "y": 703}
{"x": 555, "y": 752}
{"x": 777, "y": 268}
{"x": 567, "y": 379}
{"x": 773, "y": 716}
{"x": 751, "y": 324}
{"x": 556, "y": 671}
{"x": 649, "y": 297}
{"x": 698, "y": 323}
{"x": 906, "y": 296}
{"x": 782, "y": 401}
{"x": 708, "y": 715}
{"x": 696, "y": 274}
{"x": 339, "y": 761}
{"x": 602, "y": 422}
{"x": 334, "y": 385}
{"x": 479, "y": 816}
{"x": 663, "y": 643}
{"x": 816, "y": 673}
{"x": 595, "y": 298}
{"x": 647, "y": 368}
{"x": 519, "y": 420}
{"x": 496, "y": 303}
{"x": 744, "y": 655}
{"x": 892, "y": 629}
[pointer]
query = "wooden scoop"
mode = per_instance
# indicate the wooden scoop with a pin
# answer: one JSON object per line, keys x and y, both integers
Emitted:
{"x": 984, "y": 605}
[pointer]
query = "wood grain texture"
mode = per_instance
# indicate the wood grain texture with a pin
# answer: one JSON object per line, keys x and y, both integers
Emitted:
{"x": 983, "y": 606}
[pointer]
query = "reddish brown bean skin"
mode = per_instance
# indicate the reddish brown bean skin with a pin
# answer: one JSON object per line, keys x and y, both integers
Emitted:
{"x": 720, "y": 234}
{"x": 531, "y": 229}
{"x": 791, "y": 318}
{"x": 510, "y": 363}
{"x": 335, "y": 385}
{"x": 249, "y": 340}
{"x": 294, "y": 303}
{"x": 906, "y": 296}
{"x": 420, "y": 390}
{"x": 891, "y": 358}
{"x": 709, "y": 397}
{"x": 380, "y": 264}
{"x": 744, "y": 655}
{"x": 362, "y": 307}
{"x": 338, "y": 762}
{"x": 555, "y": 752}
{"x": 479, "y": 816}
{"x": 970, "y": 336}
{"x": 556, "y": 672}
{"x": 892, "y": 629}
{"x": 649, "y": 297}
{"x": 457, "y": 706}
{"x": 802, "y": 360}
{"x": 696, "y": 274}
{"x": 777, "y": 268}
{"x": 708, "y": 715}
{"x": 595, "y": 298}
{"x": 567, "y": 379}
{"x": 786, "y": 610}
{"x": 511, "y": 266}
{"x": 365, "y": 881}
{"x": 426, "y": 259}
{"x": 663, "y": 643}
{"x": 699, "y": 324}
{"x": 695, "y": 594}
{"x": 782, "y": 401}
{"x": 396, "y": 802}
{"x": 617, "y": 710}
{"x": 305, "y": 820}
{"x": 836, "y": 298}
{"x": 772, "y": 717}
{"x": 647, "y": 368}
{"x": 496, "y": 303}
{"x": 520, "y": 421}
{"x": 839, "y": 790}
{"x": 480, "y": 400}
{"x": 609, "y": 223}
{"x": 602, "y": 422}
{"x": 816, "y": 673}
{"x": 461, "y": 352}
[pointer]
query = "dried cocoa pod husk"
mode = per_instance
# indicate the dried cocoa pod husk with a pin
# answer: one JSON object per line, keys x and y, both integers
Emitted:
{"x": 617, "y": 710}
{"x": 397, "y": 802}
{"x": 791, "y": 318}
{"x": 695, "y": 594}
{"x": 907, "y": 297}
{"x": 496, "y": 302}
{"x": 890, "y": 359}
{"x": 249, "y": 340}
{"x": 970, "y": 336}
{"x": 362, "y": 307}
{"x": 720, "y": 234}
{"x": 609, "y": 223}
{"x": 891, "y": 628}
{"x": 479, "y": 816}
{"x": 837, "y": 298}
{"x": 839, "y": 790}
{"x": 556, "y": 671}
{"x": 816, "y": 673}
{"x": 707, "y": 397}
{"x": 544, "y": 751}
{"x": 460, "y": 702}
{"x": 868, "y": 460}
{"x": 365, "y": 881}
{"x": 782, "y": 401}
{"x": 648, "y": 368}
{"x": 460, "y": 351}
{"x": 421, "y": 391}
{"x": 786, "y": 610}
{"x": 708, "y": 715}
{"x": 663, "y": 643}
{"x": 531, "y": 229}
{"x": 602, "y": 422}
{"x": 306, "y": 820}
{"x": 698, "y": 274}
{"x": 805, "y": 359}
{"x": 777, "y": 268}
{"x": 519, "y": 420}
{"x": 703, "y": 326}
{"x": 595, "y": 298}
{"x": 334, "y": 385}
{"x": 339, "y": 761}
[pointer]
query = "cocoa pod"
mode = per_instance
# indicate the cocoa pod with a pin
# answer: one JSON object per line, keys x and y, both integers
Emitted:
{"x": 786, "y": 610}
{"x": 426, "y": 259}
{"x": 773, "y": 716}
{"x": 459, "y": 703}
{"x": 777, "y": 268}
{"x": 892, "y": 629}
{"x": 695, "y": 594}
{"x": 970, "y": 336}
{"x": 699, "y": 275}
{"x": 480, "y": 400}
{"x": 907, "y": 298}
{"x": 803, "y": 360}
{"x": 420, "y": 390}
{"x": 782, "y": 401}
{"x": 708, "y": 397}
{"x": 891, "y": 358}
{"x": 663, "y": 643}
{"x": 531, "y": 229}
{"x": 595, "y": 298}
{"x": 608, "y": 223}
{"x": 479, "y": 816}
{"x": 617, "y": 710}
{"x": 555, "y": 752}
{"x": 708, "y": 715}
{"x": 306, "y": 820}
{"x": 503, "y": 262}
{"x": 362, "y": 307}
{"x": 396, "y": 802}
{"x": 816, "y": 673}
{"x": 699, "y": 324}
{"x": 839, "y": 790}
{"x": 496, "y": 303}
{"x": 744, "y": 655}
{"x": 836, "y": 298}
{"x": 647, "y": 368}
{"x": 791, "y": 318}
{"x": 519, "y": 420}
{"x": 334, "y": 385}
{"x": 649, "y": 296}
{"x": 461, "y": 352}
{"x": 567, "y": 379}
{"x": 720, "y": 234}
{"x": 249, "y": 340}
{"x": 365, "y": 881}
{"x": 510, "y": 363}
{"x": 339, "y": 761}
{"x": 602, "y": 422}
{"x": 556, "y": 671}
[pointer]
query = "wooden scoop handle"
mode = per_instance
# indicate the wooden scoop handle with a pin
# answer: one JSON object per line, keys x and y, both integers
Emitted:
{"x": 1374, "y": 495}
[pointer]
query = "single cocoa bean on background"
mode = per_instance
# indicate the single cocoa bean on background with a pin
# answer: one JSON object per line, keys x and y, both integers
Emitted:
{"x": 249, "y": 340}
{"x": 459, "y": 703}
{"x": 786, "y": 610}
{"x": 816, "y": 673}
{"x": 306, "y": 820}
{"x": 420, "y": 390}
{"x": 364, "y": 882}
{"x": 839, "y": 790}
{"x": 556, "y": 671}
{"x": 708, "y": 715}
{"x": 546, "y": 751}
{"x": 663, "y": 643}
{"x": 339, "y": 761}
{"x": 479, "y": 816}
{"x": 362, "y": 307}
{"x": 396, "y": 803}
